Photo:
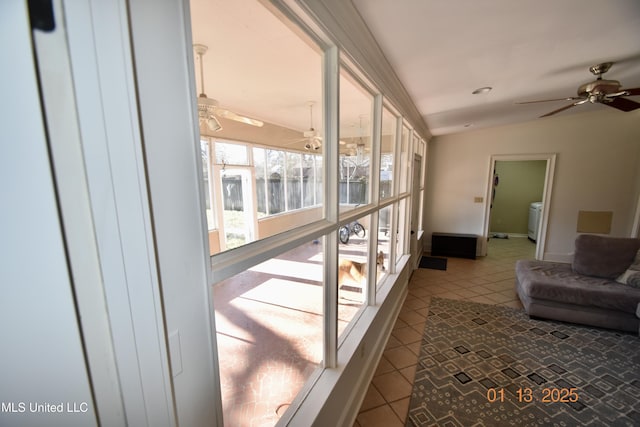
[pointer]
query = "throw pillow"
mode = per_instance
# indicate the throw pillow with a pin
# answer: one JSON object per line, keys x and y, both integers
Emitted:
{"x": 632, "y": 275}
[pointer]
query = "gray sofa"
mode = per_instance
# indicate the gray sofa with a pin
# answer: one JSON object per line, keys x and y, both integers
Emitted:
{"x": 585, "y": 291}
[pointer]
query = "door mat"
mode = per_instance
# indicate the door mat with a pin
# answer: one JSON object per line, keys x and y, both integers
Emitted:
{"x": 433, "y": 263}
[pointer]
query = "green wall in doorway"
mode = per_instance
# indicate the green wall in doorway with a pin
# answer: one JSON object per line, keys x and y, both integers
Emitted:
{"x": 520, "y": 184}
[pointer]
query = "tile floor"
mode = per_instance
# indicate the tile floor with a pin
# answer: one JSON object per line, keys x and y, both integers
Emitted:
{"x": 488, "y": 280}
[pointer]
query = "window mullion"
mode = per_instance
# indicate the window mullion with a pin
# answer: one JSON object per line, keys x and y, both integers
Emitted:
{"x": 331, "y": 72}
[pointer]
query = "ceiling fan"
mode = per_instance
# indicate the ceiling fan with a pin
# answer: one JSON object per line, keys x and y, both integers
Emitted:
{"x": 209, "y": 108}
{"x": 312, "y": 138}
{"x": 599, "y": 91}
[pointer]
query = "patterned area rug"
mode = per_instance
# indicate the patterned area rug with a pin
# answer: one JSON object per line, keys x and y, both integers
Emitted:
{"x": 484, "y": 365}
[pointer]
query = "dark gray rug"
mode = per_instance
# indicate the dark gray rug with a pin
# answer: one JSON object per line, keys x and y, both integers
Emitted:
{"x": 433, "y": 263}
{"x": 484, "y": 365}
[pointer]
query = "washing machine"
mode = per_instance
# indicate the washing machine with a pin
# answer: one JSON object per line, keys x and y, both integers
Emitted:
{"x": 534, "y": 220}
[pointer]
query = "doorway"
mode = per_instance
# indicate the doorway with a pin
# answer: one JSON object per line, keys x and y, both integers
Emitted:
{"x": 493, "y": 186}
{"x": 235, "y": 207}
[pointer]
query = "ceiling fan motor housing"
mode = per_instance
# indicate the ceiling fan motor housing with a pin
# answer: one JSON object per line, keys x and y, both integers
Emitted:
{"x": 598, "y": 89}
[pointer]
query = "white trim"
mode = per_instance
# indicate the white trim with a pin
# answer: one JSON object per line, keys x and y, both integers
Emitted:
{"x": 99, "y": 43}
{"x": 43, "y": 359}
{"x": 171, "y": 147}
{"x": 550, "y": 158}
{"x": 376, "y": 142}
{"x": 331, "y": 149}
{"x": 56, "y": 72}
{"x": 635, "y": 229}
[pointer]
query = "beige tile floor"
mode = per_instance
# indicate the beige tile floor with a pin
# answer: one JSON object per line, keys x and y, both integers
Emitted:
{"x": 488, "y": 280}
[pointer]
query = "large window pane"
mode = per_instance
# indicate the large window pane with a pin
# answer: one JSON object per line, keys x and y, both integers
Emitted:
{"x": 269, "y": 334}
{"x": 356, "y": 105}
{"x": 402, "y": 247}
{"x": 310, "y": 180}
{"x": 206, "y": 174}
{"x": 319, "y": 188}
{"x": 231, "y": 154}
{"x": 294, "y": 181}
{"x": 275, "y": 181}
{"x": 384, "y": 241}
{"x": 404, "y": 159}
{"x": 238, "y": 212}
{"x": 388, "y": 144}
{"x": 261, "y": 181}
{"x": 352, "y": 270}
{"x": 242, "y": 51}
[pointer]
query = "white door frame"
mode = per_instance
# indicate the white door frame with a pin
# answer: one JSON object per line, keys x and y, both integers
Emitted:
{"x": 635, "y": 229}
{"x": 249, "y": 199}
{"x": 550, "y": 158}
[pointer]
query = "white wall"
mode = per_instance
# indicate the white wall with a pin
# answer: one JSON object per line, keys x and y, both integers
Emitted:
{"x": 597, "y": 169}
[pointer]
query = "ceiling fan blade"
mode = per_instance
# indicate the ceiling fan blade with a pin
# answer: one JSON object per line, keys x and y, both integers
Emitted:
{"x": 623, "y": 104}
{"x": 566, "y": 107}
{"x": 569, "y": 98}
{"x": 238, "y": 118}
{"x": 634, "y": 91}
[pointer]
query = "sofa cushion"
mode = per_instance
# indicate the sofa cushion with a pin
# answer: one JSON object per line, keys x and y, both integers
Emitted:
{"x": 558, "y": 282}
{"x": 632, "y": 275}
{"x": 606, "y": 257}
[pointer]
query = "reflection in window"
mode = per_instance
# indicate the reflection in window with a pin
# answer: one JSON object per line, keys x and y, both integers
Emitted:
{"x": 401, "y": 243}
{"x": 300, "y": 180}
{"x": 388, "y": 144}
{"x": 356, "y": 105}
{"x": 238, "y": 212}
{"x": 352, "y": 270}
{"x": 206, "y": 173}
{"x": 269, "y": 333}
{"x": 311, "y": 180}
{"x": 242, "y": 80}
{"x": 384, "y": 241}
{"x": 231, "y": 154}
{"x": 293, "y": 187}
{"x": 275, "y": 181}
{"x": 261, "y": 181}
{"x": 404, "y": 159}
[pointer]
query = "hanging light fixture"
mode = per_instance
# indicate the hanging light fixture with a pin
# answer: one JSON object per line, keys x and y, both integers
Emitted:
{"x": 206, "y": 105}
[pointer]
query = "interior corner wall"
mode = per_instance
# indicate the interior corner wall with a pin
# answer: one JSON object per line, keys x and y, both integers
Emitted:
{"x": 597, "y": 169}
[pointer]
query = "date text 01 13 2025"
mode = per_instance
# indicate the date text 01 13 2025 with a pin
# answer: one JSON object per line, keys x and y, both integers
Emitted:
{"x": 545, "y": 395}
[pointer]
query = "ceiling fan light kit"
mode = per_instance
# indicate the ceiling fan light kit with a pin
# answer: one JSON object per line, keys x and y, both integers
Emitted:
{"x": 313, "y": 145}
{"x": 599, "y": 91}
{"x": 314, "y": 142}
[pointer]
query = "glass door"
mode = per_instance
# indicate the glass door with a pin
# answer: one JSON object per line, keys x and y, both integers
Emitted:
{"x": 235, "y": 201}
